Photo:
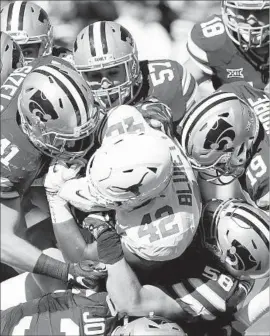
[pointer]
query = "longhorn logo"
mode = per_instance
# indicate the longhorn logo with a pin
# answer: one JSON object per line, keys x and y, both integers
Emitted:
{"x": 134, "y": 188}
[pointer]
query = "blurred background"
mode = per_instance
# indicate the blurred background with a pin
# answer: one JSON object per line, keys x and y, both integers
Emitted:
{"x": 159, "y": 27}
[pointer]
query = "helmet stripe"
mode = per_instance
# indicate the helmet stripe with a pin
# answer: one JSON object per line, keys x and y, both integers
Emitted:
{"x": 98, "y": 42}
{"x": 256, "y": 219}
{"x": 251, "y": 224}
{"x": 77, "y": 88}
{"x": 15, "y": 16}
{"x": 91, "y": 40}
{"x": 75, "y": 95}
{"x": 21, "y": 15}
{"x": 64, "y": 88}
{"x": 103, "y": 37}
{"x": 205, "y": 105}
{"x": 10, "y": 10}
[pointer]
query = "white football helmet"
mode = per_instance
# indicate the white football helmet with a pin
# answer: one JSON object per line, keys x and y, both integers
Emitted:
{"x": 106, "y": 45}
{"x": 238, "y": 234}
{"x": 57, "y": 111}
{"x": 28, "y": 24}
{"x": 247, "y": 22}
{"x": 130, "y": 169}
{"x": 218, "y": 135}
{"x": 149, "y": 326}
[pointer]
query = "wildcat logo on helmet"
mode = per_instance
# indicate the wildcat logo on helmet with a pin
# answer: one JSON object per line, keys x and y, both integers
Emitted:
{"x": 240, "y": 258}
{"x": 220, "y": 136}
{"x": 39, "y": 104}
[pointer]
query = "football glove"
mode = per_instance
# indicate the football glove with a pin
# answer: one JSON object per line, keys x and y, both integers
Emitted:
{"x": 157, "y": 115}
{"x": 109, "y": 246}
{"x": 59, "y": 173}
{"x": 86, "y": 274}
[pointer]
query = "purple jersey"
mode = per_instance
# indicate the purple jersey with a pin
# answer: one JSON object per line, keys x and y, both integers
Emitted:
{"x": 62, "y": 313}
{"x": 218, "y": 56}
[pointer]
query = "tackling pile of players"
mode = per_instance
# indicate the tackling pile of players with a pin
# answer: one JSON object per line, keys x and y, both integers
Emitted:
{"x": 123, "y": 164}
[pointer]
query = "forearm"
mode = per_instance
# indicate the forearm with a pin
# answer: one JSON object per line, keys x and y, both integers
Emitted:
{"x": 130, "y": 297}
{"x": 121, "y": 279}
{"x": 18, "y": 253}
{"x": 68, "y": 236}
{"x": 72, "y": 243}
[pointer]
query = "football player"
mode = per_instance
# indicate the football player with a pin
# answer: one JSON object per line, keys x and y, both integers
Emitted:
{"x": 81, "y": 313}
{"x": 106, "y": 55}
{"x": 11, "y": 56}
{"x": 151, "y": 187}
{"x": 29, "y": 25}
{"x": 232, "y": 46}
{"x": 46, "y": 111}
{"x": 209, "y": 281}
{"x": 223, "y": 136}
{"x": 254, "y": 182}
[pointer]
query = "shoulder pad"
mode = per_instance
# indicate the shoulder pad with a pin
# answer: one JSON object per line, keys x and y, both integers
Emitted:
{"x": 119, "y": 120}
{"x": 209, "y": 35}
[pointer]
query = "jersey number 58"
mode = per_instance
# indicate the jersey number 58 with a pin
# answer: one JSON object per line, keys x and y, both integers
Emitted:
{"x": 223, "y": 280}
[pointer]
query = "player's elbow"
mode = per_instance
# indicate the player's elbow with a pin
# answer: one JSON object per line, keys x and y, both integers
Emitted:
{"x": 196, "y": 71}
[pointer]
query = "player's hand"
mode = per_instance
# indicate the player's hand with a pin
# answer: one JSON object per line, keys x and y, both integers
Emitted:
{"x": 99, "y": 221}
{"x": 86, "y": 274}
{"x": 59, "y": 173}
{"x": 157, "y": 115}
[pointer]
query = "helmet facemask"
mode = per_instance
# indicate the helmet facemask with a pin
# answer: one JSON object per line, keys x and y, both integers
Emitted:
{"x": 118, "y": 94}
{"x": 44, "y": 43}
{"x": 57, "y": 145}
{"x": 247, "y": 24}
{"x": 230, "y": 165}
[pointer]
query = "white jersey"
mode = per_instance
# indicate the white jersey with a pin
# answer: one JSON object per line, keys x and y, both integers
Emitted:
{"x": 164, "y": 227}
